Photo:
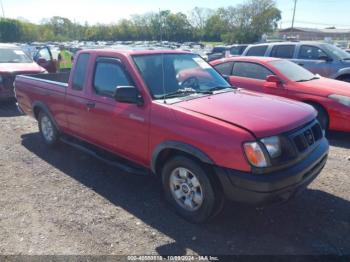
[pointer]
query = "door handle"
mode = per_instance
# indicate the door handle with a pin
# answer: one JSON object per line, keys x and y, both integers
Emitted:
{"x": 90, "y": 105}
{"x": 301, "y": 64}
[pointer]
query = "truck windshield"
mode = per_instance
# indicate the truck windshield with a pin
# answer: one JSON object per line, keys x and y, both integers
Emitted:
{"x": 337, "y": 52}
{"x": 293, "y": 71}
{"x": 170, "y": 75}
{"x": 13, "y": 55}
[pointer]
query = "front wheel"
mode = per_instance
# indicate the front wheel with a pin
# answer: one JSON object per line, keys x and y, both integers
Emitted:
{"x": 322, "y": 116}
{"x": 48, "y": 129}
{"x": 189, "y": 189}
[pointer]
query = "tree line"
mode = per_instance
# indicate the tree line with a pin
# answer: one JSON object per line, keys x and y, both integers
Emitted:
{"x": 244, "y": 23}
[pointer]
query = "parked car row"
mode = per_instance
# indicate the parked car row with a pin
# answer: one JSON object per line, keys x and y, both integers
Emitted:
{"x": 13, "y": 61}
{"x": 320, "y": 58}
{"x": 280, "y": 77}
{"x": 169, "y": 114}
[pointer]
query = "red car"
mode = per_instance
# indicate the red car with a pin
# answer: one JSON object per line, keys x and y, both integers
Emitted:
{"x": 13, "y": 61}
{"x": 203, "y": 139}
{"x": 331, "y": 98}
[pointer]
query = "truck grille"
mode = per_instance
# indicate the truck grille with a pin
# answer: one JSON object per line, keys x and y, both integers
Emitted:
{"x": 308, "y": 137}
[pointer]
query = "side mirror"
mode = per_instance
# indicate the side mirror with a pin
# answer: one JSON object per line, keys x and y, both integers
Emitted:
{"x": 128, "y": 94}
{"x": 272, "y": 81}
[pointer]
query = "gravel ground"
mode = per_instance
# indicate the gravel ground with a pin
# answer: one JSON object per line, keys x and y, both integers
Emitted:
{"x": 63, "y": 202}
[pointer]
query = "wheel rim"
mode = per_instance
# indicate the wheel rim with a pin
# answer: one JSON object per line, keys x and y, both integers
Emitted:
{"x": 186, "y": 189}
{"x": 47, "y": 129}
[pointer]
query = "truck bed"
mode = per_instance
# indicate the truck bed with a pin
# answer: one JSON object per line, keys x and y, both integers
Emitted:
{"x": 60, "y": 79}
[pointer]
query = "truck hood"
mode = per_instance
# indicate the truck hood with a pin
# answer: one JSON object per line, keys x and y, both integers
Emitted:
{"x": 20, "y": 67}
{"x": 325, "y": 87}
{"x": 263, "y": 115}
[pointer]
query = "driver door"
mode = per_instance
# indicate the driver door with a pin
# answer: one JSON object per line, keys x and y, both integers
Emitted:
{"x": 44, "y": 58}
{"x": 313, "y": 59}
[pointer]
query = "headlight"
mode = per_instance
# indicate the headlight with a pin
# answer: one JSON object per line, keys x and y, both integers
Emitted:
{"x": 344, "y": 100}
{"x": 255, "y": 154}
{"x": 272, "y": 145}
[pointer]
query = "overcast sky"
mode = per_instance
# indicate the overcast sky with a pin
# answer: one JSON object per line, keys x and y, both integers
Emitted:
{"x": 310, "y": 13}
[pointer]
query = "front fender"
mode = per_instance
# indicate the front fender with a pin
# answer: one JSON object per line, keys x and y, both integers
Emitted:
{"x": 186, "y": 148}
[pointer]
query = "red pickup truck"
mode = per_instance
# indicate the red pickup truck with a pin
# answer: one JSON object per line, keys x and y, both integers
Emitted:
{"x": 206, "y": 140}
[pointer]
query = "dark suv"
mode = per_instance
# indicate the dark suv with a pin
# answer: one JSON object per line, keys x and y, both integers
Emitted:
{"x": 320, "y": 58}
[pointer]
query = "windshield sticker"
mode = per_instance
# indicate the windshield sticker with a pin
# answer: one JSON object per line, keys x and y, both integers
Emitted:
{"x": 201, "y": 63}
{"x": 19, "y": 52}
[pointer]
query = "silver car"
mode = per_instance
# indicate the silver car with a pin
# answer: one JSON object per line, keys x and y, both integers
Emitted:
{"x": 320, "y": 58}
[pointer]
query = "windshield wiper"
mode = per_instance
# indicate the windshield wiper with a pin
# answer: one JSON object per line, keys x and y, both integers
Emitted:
{"x": 189, "y": 91}
{"x": 186, "y": 91}
{"x": 179, "y": 92}
{"x": 306, "y": 80}
{"x": 219, "y": 88}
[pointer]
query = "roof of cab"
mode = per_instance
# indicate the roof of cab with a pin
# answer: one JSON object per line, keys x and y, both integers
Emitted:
{"x": 136, "y": 51}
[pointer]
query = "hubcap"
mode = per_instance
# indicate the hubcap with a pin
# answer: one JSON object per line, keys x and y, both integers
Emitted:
{"x": 47, "y": 128}
{"x": 186, "y": 189}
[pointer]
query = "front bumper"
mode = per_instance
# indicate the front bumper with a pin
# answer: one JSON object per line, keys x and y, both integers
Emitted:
{"x": 273, "y": 187}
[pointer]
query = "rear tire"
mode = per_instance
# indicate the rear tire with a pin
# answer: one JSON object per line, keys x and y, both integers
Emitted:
{"x": 47, "y": 129}
{"x": 322, "y": 116}
{"x": 190, "y": 190}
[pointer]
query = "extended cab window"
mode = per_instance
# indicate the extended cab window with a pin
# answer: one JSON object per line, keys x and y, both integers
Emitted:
{"x": 283, "y": 51}
{"x": 80, "y": 71}
{"x": 224, "y": 68}
{"x": 257, "y": 50}
{"x": 311, "y": 52}
{"x": 250, "y": 70}
{"x": 109, "y": 75}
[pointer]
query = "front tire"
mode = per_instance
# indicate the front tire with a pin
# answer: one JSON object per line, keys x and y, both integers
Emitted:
{"x": 188, "y": 187}
{"x": 322, "y": 116}
{"x": 47, "y": 129}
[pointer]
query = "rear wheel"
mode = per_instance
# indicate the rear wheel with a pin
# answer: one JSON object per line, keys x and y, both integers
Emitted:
{"x": 47, "y": 129}
{"x": 190, "y": 190}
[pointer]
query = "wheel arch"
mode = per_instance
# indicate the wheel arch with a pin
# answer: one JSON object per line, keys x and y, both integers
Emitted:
{"x": 168, "y": 149}
{"x": 343, "y": 76}
{"x": 316, "y": 103}
{"x": 41, "y": 107}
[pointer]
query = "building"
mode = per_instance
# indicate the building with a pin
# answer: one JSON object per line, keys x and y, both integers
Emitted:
{"x": 314, "y": 34}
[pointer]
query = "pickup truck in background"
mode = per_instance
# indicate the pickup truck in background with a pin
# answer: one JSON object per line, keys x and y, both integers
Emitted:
{"x": 14, "y": 61}
{"x": 171, "y": 115}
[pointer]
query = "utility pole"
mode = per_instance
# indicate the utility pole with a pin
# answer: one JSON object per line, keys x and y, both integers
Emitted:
{"x": 2, "y": 8}
{"x": 295, "y": 7}
{"x": 161, "y": 25}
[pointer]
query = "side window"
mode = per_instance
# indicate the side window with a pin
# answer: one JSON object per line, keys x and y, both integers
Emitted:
{"x": 44, "y": 53}
{"x": 224, "y": 68}
{"x": 311, "y": 52}
{"x": 250, "y": 70}
{"x": 108, "y": 76}
{"x": 257, "y": 50}
{"x": 283, "y": 51}
{"x": 80, "y": 71}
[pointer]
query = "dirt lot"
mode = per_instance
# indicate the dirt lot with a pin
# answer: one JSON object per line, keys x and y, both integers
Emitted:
{"x": 61, "y": 201}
